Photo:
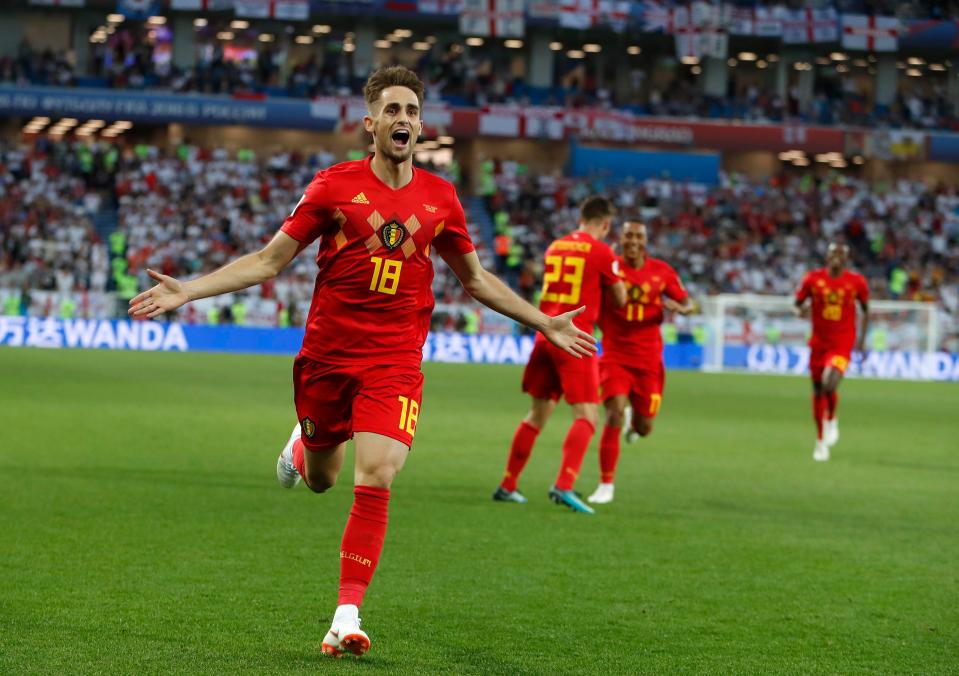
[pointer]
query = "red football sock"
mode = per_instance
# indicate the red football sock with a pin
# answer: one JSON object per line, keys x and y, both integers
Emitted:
{"x": 298, "y": 460}
{"x": 519, "y": 453}
{"x": 362, "y": 542}
{"x": 574, "y": 450}
{"x": 832, "y": 401}
{"x": 608, "y": 453}
{"x": 818, "y": 411}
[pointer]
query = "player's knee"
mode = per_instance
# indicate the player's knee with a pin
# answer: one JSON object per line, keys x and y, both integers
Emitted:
{"x": 644, "y": 427}
{"x": 588, "y": 413}
{"x": 615, "y": 417}
{"x": 381, "y": 476}
{"x": 536, "y": 418}
{"x": 320, "y": 481}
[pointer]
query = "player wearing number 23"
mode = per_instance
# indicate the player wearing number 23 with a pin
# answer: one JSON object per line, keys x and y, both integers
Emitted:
{"x": 577, "y": 270}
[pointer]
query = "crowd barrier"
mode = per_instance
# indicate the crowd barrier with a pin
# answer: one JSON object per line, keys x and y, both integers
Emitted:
{"x": 439, "y": 347}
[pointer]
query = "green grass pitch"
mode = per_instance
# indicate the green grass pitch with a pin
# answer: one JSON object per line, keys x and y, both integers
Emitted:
{"x": 141, "y": 530}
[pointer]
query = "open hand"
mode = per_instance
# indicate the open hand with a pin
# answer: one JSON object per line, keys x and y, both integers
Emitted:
{"x": 166, "y": 296}
{"x": 562, "y": 333}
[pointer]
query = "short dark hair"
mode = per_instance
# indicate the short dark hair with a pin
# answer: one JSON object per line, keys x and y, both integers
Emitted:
{"x": 392, "y": 76}
{"x": 596, "y": 208}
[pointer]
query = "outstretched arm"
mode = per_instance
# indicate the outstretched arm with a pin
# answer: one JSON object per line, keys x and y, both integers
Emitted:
{"x": 684, "y": 308}
{"x": 493, "y": 293}
{"x": 246, "y": 271}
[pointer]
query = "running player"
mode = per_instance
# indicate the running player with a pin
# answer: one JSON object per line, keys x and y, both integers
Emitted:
{"x": 631, "y": 367}
{"x": 358, "y": 373}
{"x": 578, "y": 267}
{"x": 834, "y": 292}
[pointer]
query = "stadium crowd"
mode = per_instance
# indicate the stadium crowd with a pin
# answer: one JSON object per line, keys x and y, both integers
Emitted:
{"x": 475, "y": 76}
{"x": 748, "y": 237}
{"x": 192, "y": 209}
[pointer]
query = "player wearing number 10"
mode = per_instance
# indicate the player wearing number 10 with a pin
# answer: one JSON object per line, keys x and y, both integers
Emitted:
{"x": 578, "y": 269}
{"x": 833, "y": 292}
{"x": 358, "y": 373}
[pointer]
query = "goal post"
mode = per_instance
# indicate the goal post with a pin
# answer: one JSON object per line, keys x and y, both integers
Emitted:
{"x": 762, "y": 333}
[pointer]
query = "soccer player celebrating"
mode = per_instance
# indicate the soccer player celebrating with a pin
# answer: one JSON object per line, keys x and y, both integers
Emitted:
{"x": 631, "y": 368}
{"x": 578, "y": 267}
{"x": 833, "y": 292}
{"x": 358, "y": 373}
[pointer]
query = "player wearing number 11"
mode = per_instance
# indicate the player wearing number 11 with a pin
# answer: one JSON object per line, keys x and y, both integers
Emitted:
{"x": 358, "y": 373}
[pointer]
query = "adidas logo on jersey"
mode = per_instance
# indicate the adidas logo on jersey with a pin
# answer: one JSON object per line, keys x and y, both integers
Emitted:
{"x": 360, "y": 199}
{"x": 430, "y": 208}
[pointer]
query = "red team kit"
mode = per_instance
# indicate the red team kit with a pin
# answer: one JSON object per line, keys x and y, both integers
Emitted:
{"x": 577, "y": 268}
{"x": 632, "y": 361}
{"x": 374, "y": 299}
{"x": 833, "y": 317}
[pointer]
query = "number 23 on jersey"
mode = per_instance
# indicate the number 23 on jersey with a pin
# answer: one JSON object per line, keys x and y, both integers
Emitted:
{"x": 563, "y": 270}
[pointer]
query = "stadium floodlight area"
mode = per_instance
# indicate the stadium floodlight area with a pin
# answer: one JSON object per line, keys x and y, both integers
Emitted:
{"x": 759, "y": 333}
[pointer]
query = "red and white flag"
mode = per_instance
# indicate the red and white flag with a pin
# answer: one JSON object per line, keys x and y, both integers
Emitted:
{"x": 292, "y": 10}
{"x": 761, "y": 21}
{"x": 870, "y": 33}
{"x": 200, "y": 5}
{"x": 589, "y": 13}
{"x": 802, "y": 26}
{"x": 658, "y": 18}
{"x": 59, "y": 3}
{"x": 701, "y": 43}
{"x": 493, "y": 18}
{"x": 444, "y": 7}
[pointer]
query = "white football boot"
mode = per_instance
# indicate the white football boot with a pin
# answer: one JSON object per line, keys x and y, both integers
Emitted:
{"x": 286, "y": 474}
{"x": 345, "y": 635}
{"x": 603, "y": 495}
{"x": 821, "y": 452}
{"x": 629, "y": 434}
{"x": 830, "y": 431}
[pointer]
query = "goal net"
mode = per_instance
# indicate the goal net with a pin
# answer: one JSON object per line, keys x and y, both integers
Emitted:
{"x": 751, "y": 332}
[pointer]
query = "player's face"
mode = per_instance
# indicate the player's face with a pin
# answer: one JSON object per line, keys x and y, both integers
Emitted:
{"x": 394, "y": 121}
{"x": 633, "y": 239}
{"x": 836, "y": 256}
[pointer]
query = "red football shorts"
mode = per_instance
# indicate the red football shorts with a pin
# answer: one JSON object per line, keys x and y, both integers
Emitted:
{"x": 551, "y": 373}
{"x": 335, "y": 401}
{"x": 643, "y": 386}
{"x": 819, "y": 359}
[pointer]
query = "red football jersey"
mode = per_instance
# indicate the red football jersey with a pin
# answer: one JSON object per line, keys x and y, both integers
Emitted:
{"x": 576, "y": 269}
{"x": 373, "y": 296}
{"x": 631, "y": 334}
{"x": 833, "y": 307}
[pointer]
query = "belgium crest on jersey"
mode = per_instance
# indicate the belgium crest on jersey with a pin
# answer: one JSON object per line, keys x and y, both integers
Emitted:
{"x": 392, "y": 234}
{"x": 635, "y": 294}
{"x": 309, "y": 429}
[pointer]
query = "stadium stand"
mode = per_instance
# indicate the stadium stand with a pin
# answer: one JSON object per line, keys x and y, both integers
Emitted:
{"x": 190, "y": 210}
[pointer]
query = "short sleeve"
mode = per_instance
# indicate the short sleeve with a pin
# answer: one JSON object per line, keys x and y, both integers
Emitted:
{"x": 674, "y": 286}
{"x": 607, "y": 265}
{"x": 805, "y": 288}
{"x": 311, "y": 215}
{"x": 454, "y": 238}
